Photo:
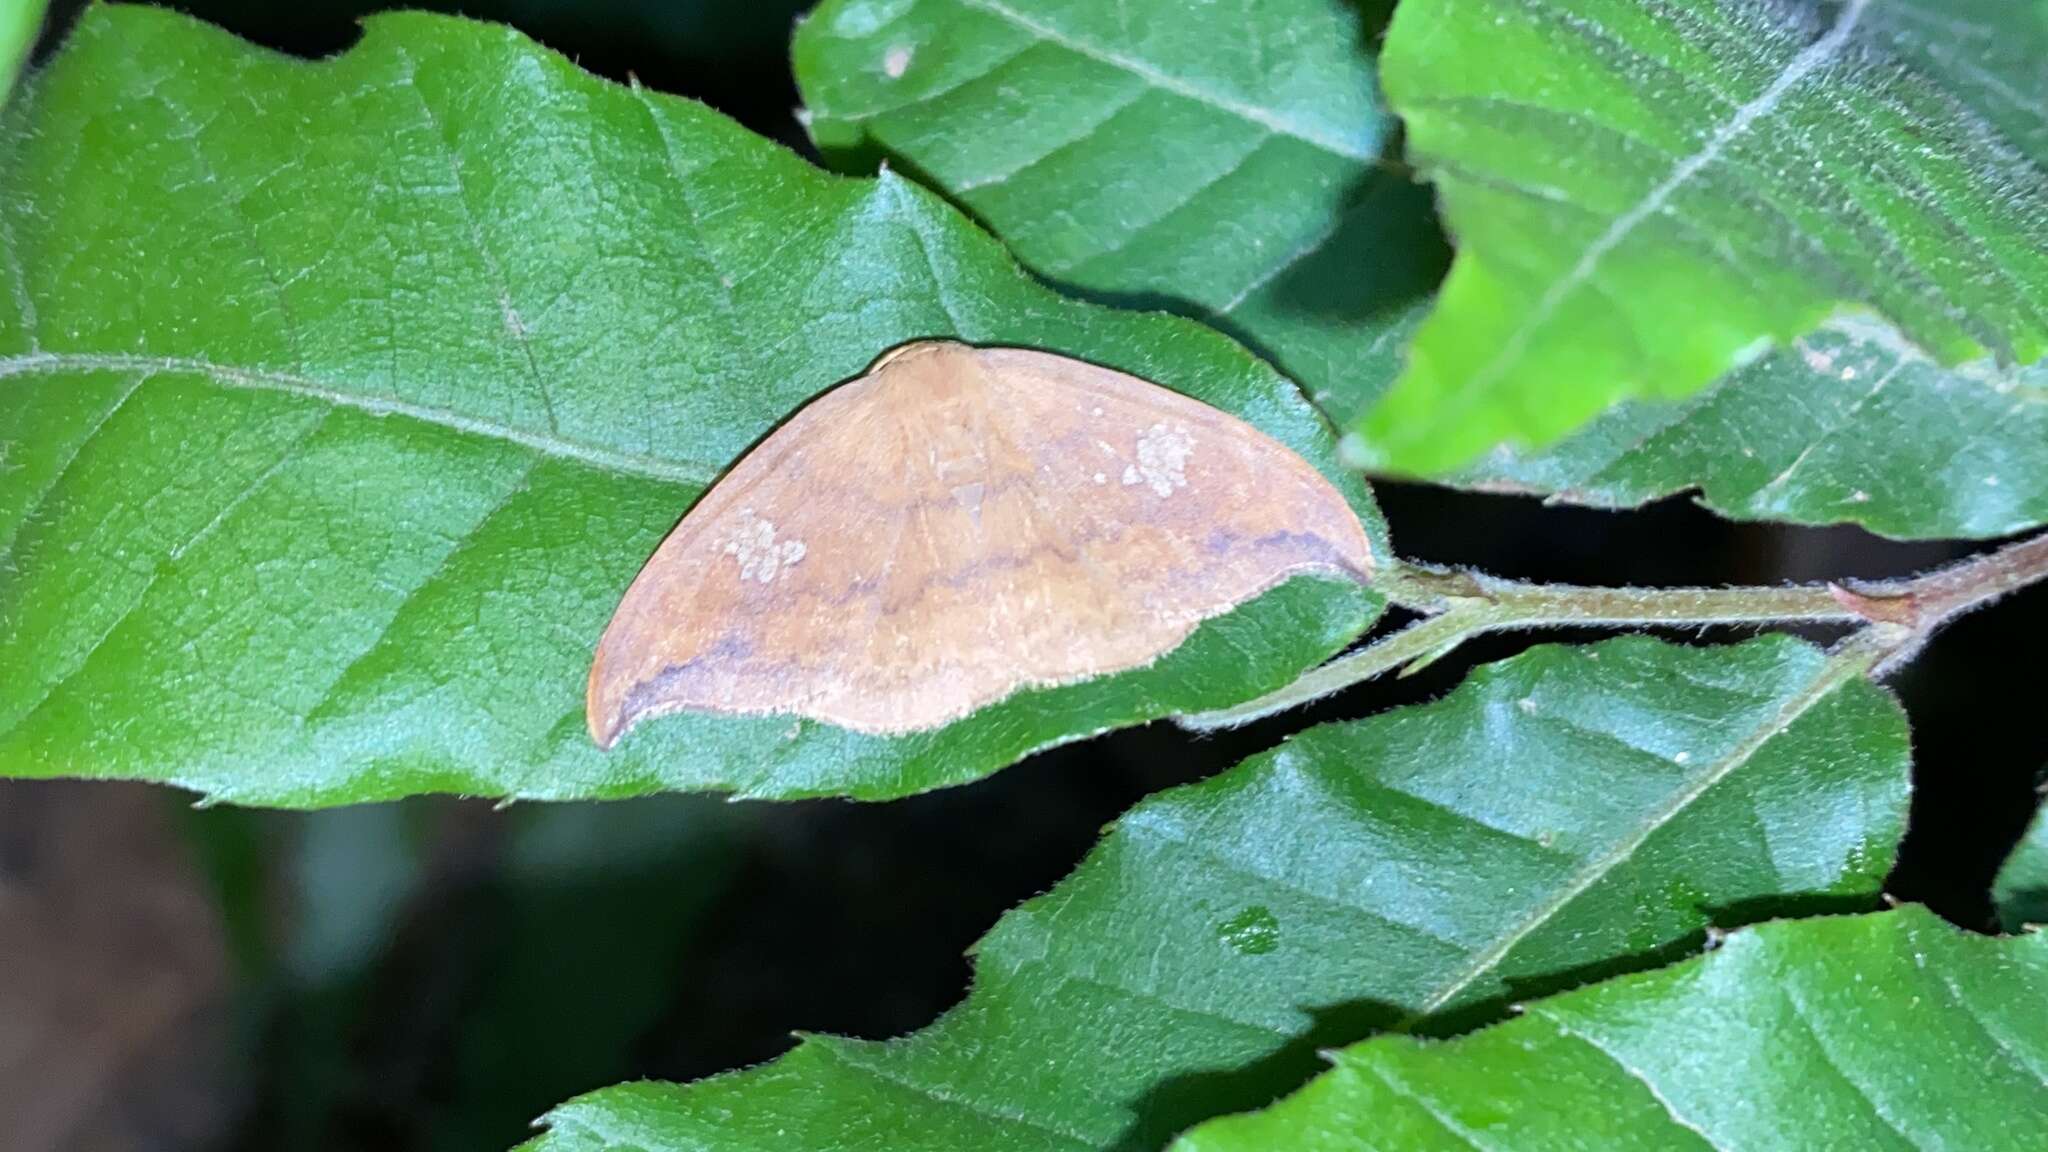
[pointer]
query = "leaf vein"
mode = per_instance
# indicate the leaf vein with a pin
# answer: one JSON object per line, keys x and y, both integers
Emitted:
{"x": 2023, "y": 1061}
{"x": 237, "y": 206}
{"x": 1767, "y": 495}
{"x": 1174, "y": 84}
{"x": 36, "y": 504}
{"x": 689, "y": 201}
{"x": 1136, "y": 824}
{"x": 17, "y": 272}
{"x": 1138, "y": 231}
{"x": 1827, "y": 1056}
{"x": 1356, "y": 208}
{"x": 695, "y": 474}
{"x": 967, "y": 1104}
{"x": 1831, "y": 675}
{"x": 228, "y": 506}
{"x": 1150, "y": 997}
{"x": 1551, "y": 1018}
{"x": 1815, "y": 56}
{"x": 1058, "y": 147}
{"x": 496, "y": 270}
{"x": 1429, "y": 1107}
{"x": 939, "y": 93}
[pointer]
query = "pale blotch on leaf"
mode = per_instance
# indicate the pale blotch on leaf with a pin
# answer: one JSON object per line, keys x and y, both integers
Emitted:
{"x": 949, "y": 529}
{"x": 1252, "y": 932}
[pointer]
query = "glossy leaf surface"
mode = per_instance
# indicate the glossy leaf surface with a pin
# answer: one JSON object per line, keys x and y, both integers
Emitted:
{"x": 1648, "y": 196}
{"x": 1893, "y": 1030}
{"x": 1222, "y": 161}
{"x": 343, "y": 399}
{"x": 1569, "y": 812}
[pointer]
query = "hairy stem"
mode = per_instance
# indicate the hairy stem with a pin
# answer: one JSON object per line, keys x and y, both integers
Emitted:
{"x": 1920, "y": 606}
{"x": 1893, "y": 618}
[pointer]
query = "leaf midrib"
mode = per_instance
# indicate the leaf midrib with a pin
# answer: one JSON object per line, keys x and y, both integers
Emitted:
{"x": 692, "y": 473}
{"x": 1167, "y": 82}
{"x": 1805, "y": 63}
{"x": 1838, "y": 668}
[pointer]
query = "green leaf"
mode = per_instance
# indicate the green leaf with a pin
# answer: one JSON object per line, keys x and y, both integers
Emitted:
{"x": 986, "y": 105}
{"x": 1892, "y": 1030}
{"x": 1221, "y": 161}
{"x": 2021, "y": 891}
{"x": 1851, "y": 425}
{"x": 20, "y": 22}
{"x": 1648, "y": 196}
{"x": 1567, "y": 812}
{"x": 340, "y": 402}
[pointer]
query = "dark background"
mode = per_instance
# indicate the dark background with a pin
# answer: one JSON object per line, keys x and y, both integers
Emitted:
{"x": 435, "y": 974}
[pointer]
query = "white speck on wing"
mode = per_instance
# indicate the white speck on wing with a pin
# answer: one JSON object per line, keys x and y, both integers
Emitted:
{"x": 761, "y": 557}
{"x": 1162, "y": 460}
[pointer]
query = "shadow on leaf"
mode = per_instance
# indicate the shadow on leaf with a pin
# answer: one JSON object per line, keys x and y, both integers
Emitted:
{"x": 1179, "y": 1103}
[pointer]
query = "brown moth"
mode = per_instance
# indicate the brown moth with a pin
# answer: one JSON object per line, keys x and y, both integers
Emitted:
{"x": 956, "y": 525}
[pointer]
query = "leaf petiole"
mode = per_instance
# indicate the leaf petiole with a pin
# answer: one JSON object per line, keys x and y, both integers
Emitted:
{"x": 1893, "y": 618}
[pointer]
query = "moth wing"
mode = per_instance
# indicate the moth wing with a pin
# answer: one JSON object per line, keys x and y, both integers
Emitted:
{"x": 955, "y": 526}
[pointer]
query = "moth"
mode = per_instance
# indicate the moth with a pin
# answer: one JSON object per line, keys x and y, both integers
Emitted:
{"x": 954, "y": 526}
